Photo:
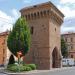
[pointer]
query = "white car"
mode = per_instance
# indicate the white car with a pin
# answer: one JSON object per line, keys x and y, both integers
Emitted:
{"x": 68, "y": 62}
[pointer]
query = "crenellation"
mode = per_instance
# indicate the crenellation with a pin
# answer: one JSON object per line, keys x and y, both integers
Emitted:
{"x": 37, "y": 15}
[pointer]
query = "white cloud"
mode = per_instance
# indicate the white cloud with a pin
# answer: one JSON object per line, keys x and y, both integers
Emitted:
{"x": 67, "y": 7}
{"x": 67, "y": 29}
{"x": 6, "y": 21}
{"x": 5, "y": 16}
{"x": 67, "y": 11}
{"x": 68, "y": 25}
{"x": 67, "y": 1}
{"x": 15, "y": 14}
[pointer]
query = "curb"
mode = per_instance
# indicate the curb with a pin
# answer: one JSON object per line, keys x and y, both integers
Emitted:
{"x": 39, "y": 71}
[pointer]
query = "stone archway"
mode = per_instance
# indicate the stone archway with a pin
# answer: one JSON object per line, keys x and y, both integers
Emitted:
{"x": 55, "y": 58}
{"x": 11, "y": 60}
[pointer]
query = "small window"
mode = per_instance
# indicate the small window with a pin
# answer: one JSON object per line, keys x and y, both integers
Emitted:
{"x": 71, "y": 56}
{"x": 55, "y": 29}
{"x": 71, "y": 39}
{"x": 71, "y": 46}
{"x": 66, "y": 39}
{"x": 32, "y": 30}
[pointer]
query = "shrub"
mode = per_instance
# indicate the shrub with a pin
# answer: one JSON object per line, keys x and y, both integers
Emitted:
{"x": 21, "y": 67}
{"x": 11, "y": 65}
{"x": 33, "y": 66}
{"x": 26, "y": 68}
{"x": 13, "y": 68}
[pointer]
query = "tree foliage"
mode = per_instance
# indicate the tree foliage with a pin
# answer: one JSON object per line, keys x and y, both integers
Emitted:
{"x": 19, "y": 37}
{"x": 64, "y": 49}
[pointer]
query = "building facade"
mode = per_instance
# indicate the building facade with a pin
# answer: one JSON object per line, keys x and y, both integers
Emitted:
{"x": 3, "y": 47}
{"x": 70, "y": 41}
{"x": 4, "y": 51}
{"x": 44, "y": 21}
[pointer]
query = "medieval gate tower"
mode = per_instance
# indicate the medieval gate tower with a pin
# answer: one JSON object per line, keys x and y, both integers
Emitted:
{"x": 45, "y": 21}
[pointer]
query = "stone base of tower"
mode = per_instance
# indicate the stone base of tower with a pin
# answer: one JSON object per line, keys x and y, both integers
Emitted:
{"x": 44, "y": 63}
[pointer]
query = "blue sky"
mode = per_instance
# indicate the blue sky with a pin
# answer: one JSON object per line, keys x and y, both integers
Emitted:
{"x": 9, "y": 12}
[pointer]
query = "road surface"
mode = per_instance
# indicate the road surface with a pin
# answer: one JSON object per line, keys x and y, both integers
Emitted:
{"x": 63, "y": 71}
{"x": 2, "y": 74}
{"x": 69, "y": 71}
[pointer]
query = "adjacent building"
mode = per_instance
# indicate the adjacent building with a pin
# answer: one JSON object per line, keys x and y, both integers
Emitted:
{"x": 45, "y": 21}
{"x": 4, "y": 51}
{"x": 70, "y": 41}
{"x": 3, "y": 47}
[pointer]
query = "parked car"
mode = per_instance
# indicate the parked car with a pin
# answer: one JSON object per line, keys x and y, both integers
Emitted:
{"x": 1, "y": 65}
{"x": 68, "y": 62}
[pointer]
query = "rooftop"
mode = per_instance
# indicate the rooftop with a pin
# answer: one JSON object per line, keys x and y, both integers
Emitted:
{"x": 4, "y": 33}
{"x": 43, "y": 4}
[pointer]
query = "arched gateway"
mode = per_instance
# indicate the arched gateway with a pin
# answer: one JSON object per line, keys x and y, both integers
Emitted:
{"x": 45, "y": 21}
{"x": 56, "y": 58}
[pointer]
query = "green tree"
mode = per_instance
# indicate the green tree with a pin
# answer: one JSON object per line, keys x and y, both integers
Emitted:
{"x": 64, "y": 49}
{"x": 19, "y": 37}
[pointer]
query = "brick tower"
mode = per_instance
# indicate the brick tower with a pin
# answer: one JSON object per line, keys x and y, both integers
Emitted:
{"x": 45, "y": 21}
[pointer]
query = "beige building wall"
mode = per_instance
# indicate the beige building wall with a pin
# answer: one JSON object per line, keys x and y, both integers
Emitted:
{"x": 4, "y": 51}
{"x": 3, "y": 47}
{"x": 44, "y": 21}
{"x": 70, "y": 41}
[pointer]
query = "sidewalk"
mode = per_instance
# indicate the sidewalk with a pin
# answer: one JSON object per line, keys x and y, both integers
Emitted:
{"x": 1, "y": 69}
{"x": 39, "y": 71}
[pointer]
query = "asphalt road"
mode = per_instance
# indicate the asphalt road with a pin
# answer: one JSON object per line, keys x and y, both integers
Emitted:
{"x": 67, "y": 71}
{"x": 2, "y": 74}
